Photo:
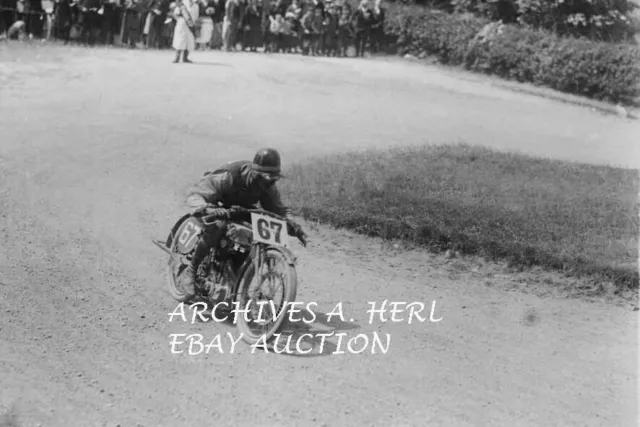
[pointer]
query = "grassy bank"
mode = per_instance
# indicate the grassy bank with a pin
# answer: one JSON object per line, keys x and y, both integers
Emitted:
{"x": 580, "y": 219}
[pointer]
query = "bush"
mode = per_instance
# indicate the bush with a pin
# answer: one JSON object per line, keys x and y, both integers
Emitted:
{"x": 603, "y": 71}
{"x": 602, "y": 20}
{"x": 418, "y": 31}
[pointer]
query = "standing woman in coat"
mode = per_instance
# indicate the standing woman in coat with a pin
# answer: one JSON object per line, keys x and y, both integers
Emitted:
{"x": 186, "y": 14}
{"x": 361, "y": 22}
{"x": 63, "y": 16}
{"x": 252, "y": 36}
{"x": 377, "y": 27}
{"x": 206, "y": 24}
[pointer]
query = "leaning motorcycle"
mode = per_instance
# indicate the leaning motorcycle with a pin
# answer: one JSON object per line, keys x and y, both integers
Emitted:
{"x": 243, "y": 273}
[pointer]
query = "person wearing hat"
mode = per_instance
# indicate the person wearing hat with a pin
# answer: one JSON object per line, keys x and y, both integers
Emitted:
{"x": 241, "y": 183}
{"x": 186, "y": 14}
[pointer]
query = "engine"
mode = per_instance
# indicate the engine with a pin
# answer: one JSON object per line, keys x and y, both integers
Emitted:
{"x": 238, "y": 238}
{"x": 221, "y": 269}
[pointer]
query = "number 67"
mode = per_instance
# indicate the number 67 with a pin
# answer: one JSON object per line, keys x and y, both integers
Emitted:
{"x": 265, "y": 227}
{"x": 189, "y": 233}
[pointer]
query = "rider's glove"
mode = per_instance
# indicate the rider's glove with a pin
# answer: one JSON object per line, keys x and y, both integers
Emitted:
{"x": 218, "y": 212}
{"x": 201, "y": 210}
{"x": 295, "y": 228}
{"x": 237, "y": 210}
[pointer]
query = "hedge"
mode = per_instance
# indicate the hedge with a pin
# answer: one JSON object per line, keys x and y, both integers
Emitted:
{"x": 602, "y": 71}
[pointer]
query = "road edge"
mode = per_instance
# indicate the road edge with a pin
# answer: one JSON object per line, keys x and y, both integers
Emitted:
{"x": 526, "y": 88}
{"x": 619, "y": 110}
{"x": 544, "y": 283}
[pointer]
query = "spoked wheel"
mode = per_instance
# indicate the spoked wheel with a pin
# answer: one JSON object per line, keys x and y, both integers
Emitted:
{"x": 263, "y": 303}
{"x": 174, "y": 269}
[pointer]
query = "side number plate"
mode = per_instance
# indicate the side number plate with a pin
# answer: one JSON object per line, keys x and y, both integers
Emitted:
{"x": 187, "y": 235}
{"x": 269, "y": 230}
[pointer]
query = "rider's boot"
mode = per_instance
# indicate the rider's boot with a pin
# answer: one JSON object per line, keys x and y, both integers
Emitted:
{"x": 210, "y": 239}
{"x": 189, "y": 274}
{"x": 188, "y": 280}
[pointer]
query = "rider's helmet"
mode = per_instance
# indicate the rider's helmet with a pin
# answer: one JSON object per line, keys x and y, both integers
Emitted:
{"x": 267, "y": 163}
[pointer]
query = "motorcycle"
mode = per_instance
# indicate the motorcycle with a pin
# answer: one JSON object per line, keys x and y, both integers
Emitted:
{"x": 241, "y": 272}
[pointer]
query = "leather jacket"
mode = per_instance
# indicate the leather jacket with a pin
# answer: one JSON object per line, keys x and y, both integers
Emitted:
{"x": 236, "y": 184}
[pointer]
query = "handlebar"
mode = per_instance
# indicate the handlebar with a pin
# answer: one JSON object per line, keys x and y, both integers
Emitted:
{"x": 239, "y": 210}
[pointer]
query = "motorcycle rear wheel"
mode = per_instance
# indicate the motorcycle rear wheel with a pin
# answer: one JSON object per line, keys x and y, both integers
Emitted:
{"x": 290, "y": 279}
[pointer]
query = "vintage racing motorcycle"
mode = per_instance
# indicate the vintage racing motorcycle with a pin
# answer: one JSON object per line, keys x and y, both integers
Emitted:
{"x": 252, "y": 265}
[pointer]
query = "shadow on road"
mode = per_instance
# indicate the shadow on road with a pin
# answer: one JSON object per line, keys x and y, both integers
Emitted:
{"x": 312, "y": 338}
{"x": 212, "y": 64}
{"x": 306, "y": 333}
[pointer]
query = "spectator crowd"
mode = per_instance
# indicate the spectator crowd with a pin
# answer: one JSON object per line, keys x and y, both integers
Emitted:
{"x": 310, "y": 27}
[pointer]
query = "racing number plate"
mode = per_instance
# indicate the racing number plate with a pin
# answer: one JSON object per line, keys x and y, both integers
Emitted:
{"x": 269, "y": 230}
{"x": 187, "y": 235}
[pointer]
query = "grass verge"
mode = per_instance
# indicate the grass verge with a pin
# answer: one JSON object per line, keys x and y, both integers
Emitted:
{"x": 579, "y": 219}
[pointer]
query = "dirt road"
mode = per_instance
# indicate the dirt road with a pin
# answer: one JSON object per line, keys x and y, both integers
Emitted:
{"x": 96, "y": 150}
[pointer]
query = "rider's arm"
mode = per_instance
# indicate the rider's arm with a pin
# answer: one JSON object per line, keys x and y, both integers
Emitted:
{"x": 209, "y": 190}
{"x": 196, "y": 201}
{"x": 271, "y": 201}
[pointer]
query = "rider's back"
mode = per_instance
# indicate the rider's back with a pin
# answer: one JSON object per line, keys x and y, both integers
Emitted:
{"x": 228, "y": 186}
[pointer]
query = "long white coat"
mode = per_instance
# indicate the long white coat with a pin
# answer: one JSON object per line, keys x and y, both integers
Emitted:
{"x": 183, "y": 37}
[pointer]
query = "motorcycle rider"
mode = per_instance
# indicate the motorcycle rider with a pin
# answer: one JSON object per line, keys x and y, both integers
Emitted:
{"x": 242, "y": 183}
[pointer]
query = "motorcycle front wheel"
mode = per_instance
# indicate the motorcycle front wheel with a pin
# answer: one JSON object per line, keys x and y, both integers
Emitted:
{"x": 264, "y": 317}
